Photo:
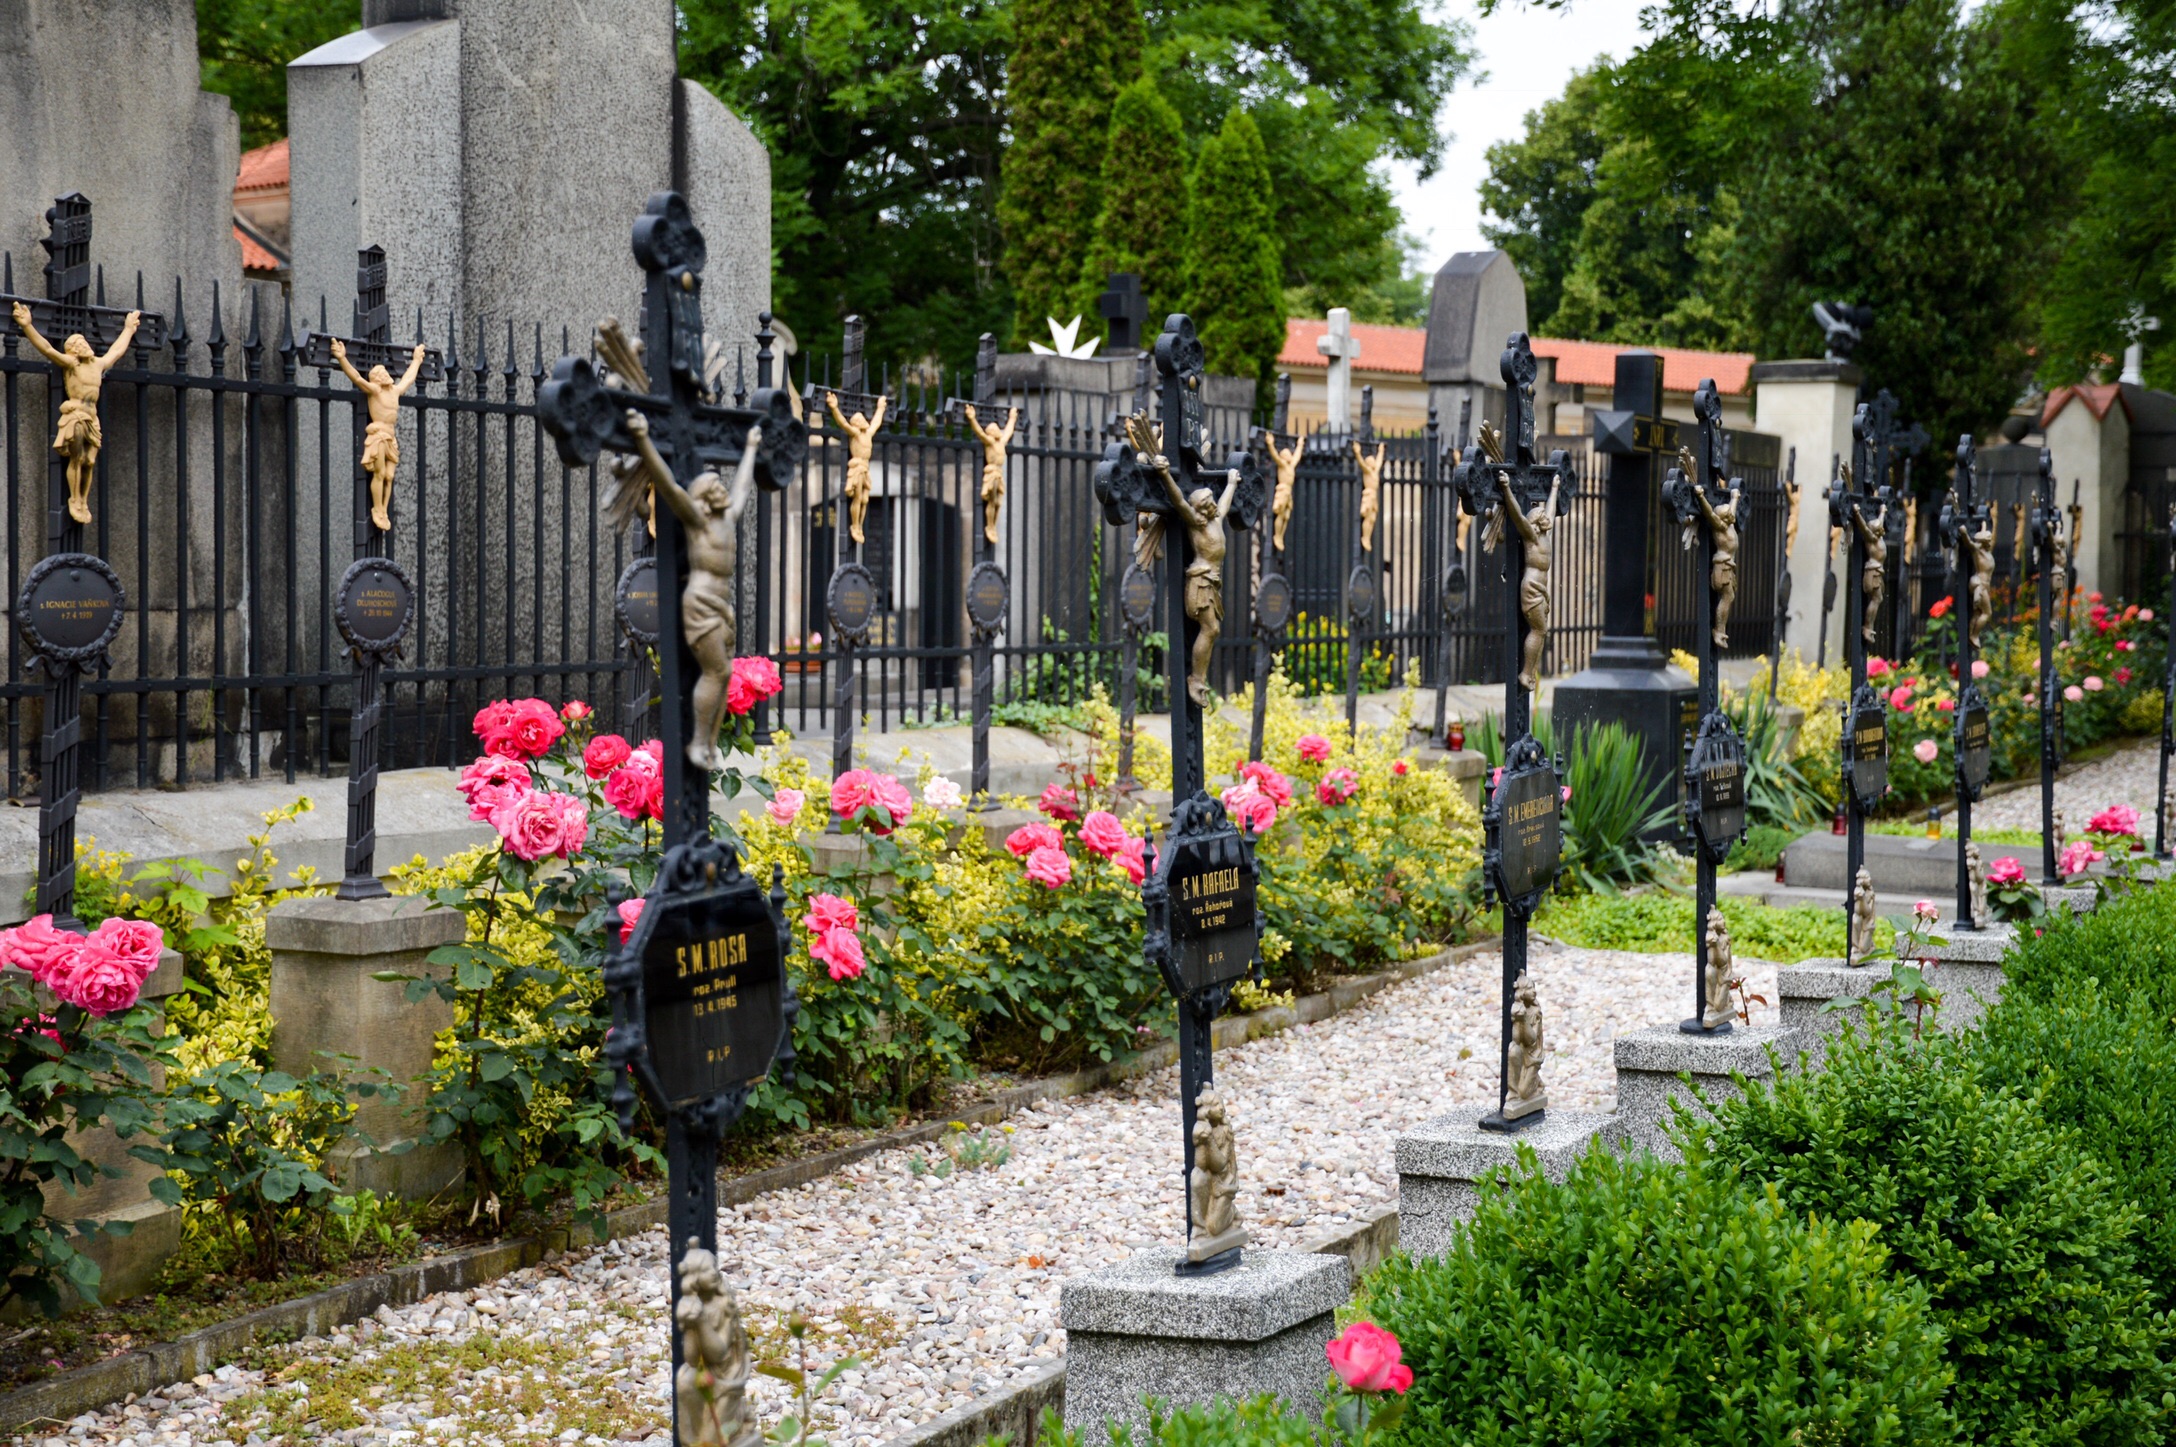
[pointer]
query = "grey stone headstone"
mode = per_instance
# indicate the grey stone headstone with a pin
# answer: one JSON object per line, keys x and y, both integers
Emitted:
{"x": 1478, "y": 299}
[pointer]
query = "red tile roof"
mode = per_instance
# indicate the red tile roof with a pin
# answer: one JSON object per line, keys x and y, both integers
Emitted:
{"x": 1382, "y": 349}
{"x": 1595, "y": 365}
{"x": 264, "y": 169}
{"x": 255, "y": 257}
{"x": 2098, "y": 397}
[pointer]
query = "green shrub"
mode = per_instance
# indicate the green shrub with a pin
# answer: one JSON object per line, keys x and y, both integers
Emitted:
{"x": 1642, "y": 1303}
{"x": 1762, "y": 847}
{"x": 2105, "y": 1069}
{"x": 2023, "y": 1244}
{"x": 1654, "y": 921}
{"x": 1260, "y": 1422}
{"x": 2128, "y": 945}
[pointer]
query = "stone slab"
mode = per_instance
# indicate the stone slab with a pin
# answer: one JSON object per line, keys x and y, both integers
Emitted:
{"x": 1987, "y": 945}
{"x": 1441, "y": 1160}
{"x": 1970, "y": 988}
{"x": 1135, "y": 1331}
{"x": 403, "y": 924}
{"x": 1650, "y": 1063}
{"x": 1900, "y": 864}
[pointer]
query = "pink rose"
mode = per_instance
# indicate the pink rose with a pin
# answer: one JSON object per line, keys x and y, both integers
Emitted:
{"x": 941, "y": 793}
{"x": 2124, "y": 645}
{"x": 878, "y": 801}
{"x": 2123, "y": 675}
{"x": 894, "y": 797}
{"x": 44, "y": 952}
{"x": 753, "y": 680}
{"x": 1028, "y": 838}
{"x": 2077, "y": 857}
{"x": 1365, "y": 1359}
{"x": 2093, "y": 683}
{"x": 1926, "y": 750}
{"x": 134, "y": 942}
{"x": 523, "y": 729}
{"x": 1399, "y": 768}
{"x": 2006, "y": 871}
{"x": 1102, "y": 832}
{"x": 99, "y": 982}
{"x": 2073, "y": 693}
{"x": 1274, "y": 785}
{"x": 1979, "y": 668}
{"x": 1314, "y": 748}
{"x": 1249, "y": 806}
{"x": 828, "y": 912}
{"x": 541, "y": 825}
{"x": 1338, "y": 786}
{"x": 490, "y": 784}
{"x": 839, "y": 951}
{"x": 785, "y": 807}
{"x": 2115, "y": 819}
{"x": 576, "y": 711}
{"x": 1061, "y": 803}
{"x": 1131, "y": 858}
{"x": 2145, "y": 615}
{"x": 1050, "y": 867}
{"x": 1926, "y": 912}
{"x": 637, "y": 787}
{"x": 605, "y": 753}
{"x": 1875, "y": 666}
{"x": 630, "y": 911}
{"x": 1900, "y": 698}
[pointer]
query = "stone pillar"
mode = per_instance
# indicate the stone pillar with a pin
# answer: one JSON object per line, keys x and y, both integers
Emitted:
{"x": 1136, "y": 1330}
{"x": 1650, "y": 1062}
{"x": 1441, "y": 1162}
{"x": 1809, "y": 405}
{"x": 2088, "y": 429}
{"x": 326, "y": 1002}
{"x": 128, "y": 1264}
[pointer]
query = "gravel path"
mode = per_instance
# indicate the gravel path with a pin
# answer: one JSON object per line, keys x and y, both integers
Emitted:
{"x": 944, "y": 1287}
{"x": 2130, "y": 775}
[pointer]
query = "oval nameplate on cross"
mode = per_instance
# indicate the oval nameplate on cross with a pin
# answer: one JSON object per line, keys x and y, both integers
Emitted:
{"x": 1137, "y": 596}
{"x": 713, "y": 990}
{"x": 1360, "y": 594}
{"x": 1525, "y": 820}
{"x": 1715, "y": 786}
{"x": 1273, "y": 602}
{"x": 851, "y": 602}
{"x": 374, "y": 606}
{"x": 71, "y": 607}
{"x": 987, "y": 597}
{"x": 1974, "y": 744}
{"x": 635, "y": 601}
{"x": 1866, "y": 748}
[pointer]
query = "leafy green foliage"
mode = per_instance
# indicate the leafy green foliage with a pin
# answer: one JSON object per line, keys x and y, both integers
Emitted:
{"x": 1539, "y": 188}
{"x": 1777, "y": 794}
{"x": 1234, "y": 265}
{"x": 1762, "y": 847}
{"x": 243, "y": 47}
{"x": 2023, "y": 1243}
{"x": 1257, "y": 1422}
{"x": 1610, "y": 811}
{"x": 1142, "y": 226}
{"x": 1067, "y": 63}
{"x": 1642, "y": 1303}
{"x": 1653, "y": 921}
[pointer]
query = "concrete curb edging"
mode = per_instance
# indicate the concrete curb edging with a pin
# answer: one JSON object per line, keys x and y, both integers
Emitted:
{"x": 87, "y": 1388}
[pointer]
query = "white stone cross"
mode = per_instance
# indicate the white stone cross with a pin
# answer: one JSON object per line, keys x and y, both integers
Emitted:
{"x": 1341, "y": 347}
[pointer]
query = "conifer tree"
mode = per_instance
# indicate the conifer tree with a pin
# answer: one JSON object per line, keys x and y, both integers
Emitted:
{"x": 1142, "y": 228}
{"x": 1068, "y": 61}
{"x": 1234, "y": 265}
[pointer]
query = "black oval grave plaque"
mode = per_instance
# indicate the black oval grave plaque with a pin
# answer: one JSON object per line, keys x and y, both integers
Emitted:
{"x": 1454, "y": 590}
{"x": 1715, "y": 786}
{"x": 1273, "y": 602}
{"x": 987, "y": 597}
{"x": 713, "y": 990}
{"x": 1526, "y": 819}
{"x": 1213, "y": 933}
{"x": 1360, "y": 594}
{"x": 635, "y": 599}
{"x": 1974, "y": 744}
{"x": 71, "y": 607}
{"x": 375, "y": 605}
{"x": 1137, "y": 595}
{"x": 851, "y": 602}
{"x": 1866, "y": 748}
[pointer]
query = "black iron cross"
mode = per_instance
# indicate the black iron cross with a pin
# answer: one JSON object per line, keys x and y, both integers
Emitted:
{"x": 1126, "y": 309}
{"x": 988, "y": 592}
{"x": 1961, "y": 516}
{"x": 1522, "y": 821}
{"x": 1855, "y": 496}
{"x": 1364, "y": 589}
{"x": 1272, "y": 589}
{"x": 1453, "y": 601}
{"x": 2047, "y": 532}
{"x": 692, "y": 435}
{"x": 2161, "y": 841}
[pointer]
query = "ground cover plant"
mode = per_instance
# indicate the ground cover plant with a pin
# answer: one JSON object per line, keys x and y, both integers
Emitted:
{"x": 1655, "y": 921}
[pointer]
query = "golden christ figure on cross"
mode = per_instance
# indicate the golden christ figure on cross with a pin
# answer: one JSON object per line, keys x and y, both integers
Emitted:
{"x": 381, "y": 439}
{"x": 82, "y": 373}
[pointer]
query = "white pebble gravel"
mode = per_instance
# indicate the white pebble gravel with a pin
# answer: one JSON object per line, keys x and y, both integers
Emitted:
{"x": 2130, "y": 775}
{"x": 952, "y": 1283}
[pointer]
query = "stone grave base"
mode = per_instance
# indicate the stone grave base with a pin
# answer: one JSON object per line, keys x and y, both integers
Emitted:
{"x": 1440, "y": 1161}
{"x": 1650, "y": 1062}
{"x": 1136, "y": 1330}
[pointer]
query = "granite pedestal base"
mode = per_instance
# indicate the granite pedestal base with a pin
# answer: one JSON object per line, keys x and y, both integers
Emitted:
{"x": 2077, "y": 898}
{"x": 1650, "y": 1062}
{"x": 1442, "y": 1161}
{"x": 1805, "y": 989}
{"x": 1136, "y": 1330}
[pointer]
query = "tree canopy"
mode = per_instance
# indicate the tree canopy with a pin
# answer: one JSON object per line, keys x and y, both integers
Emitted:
{"x": 1232, "y": 256}
{"x": 243, "y": 47}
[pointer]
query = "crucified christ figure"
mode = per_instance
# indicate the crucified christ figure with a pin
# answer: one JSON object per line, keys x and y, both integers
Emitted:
{"x": 381, "y": 442}
{"x": 1202, "y": 514}
{"x": 82, "y": 373}
{"x": 1533, "y": 528}
{"x": 710, "y": 514}
{"x": 1287, "y": 463}
{"x": 1371, "y": 491}
{"x": 1873, "y": 536}
{"x": 1723, "y": 571}
{"x": 860, "y": 432}
{"x": 1981, "y": 540}
{"x": 995, "y": 440}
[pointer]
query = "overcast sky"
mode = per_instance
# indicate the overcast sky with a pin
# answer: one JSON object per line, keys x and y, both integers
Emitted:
{"x": 1525, "y": 55}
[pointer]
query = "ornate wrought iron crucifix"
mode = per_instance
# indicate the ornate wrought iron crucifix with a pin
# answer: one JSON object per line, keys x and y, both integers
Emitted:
{"x": 1967, "y": 527}
{"x": 2047, "y": 540}
{"x": 1864, "y": 507}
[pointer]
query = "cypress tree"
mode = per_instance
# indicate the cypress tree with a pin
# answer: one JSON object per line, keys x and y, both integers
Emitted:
{"x": 1142, "y": 227}
{"x": 1068, "y": 61}
{"x": 1234, "y": 265}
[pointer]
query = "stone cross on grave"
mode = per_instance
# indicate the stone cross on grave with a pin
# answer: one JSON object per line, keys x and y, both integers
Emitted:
{"x": 1864, "y": 508}
{"x": 71, "y": 604}
{"x": 701, "y": 1001}
{"x": 1707, "y": 502}
{"x": 2047, "y": 546}
{"x": 1202, "y": 933}
{"x": 1126, "y": 310}
{"x": 1342, "y": 348}
{"x": 1967, "y": 526}
{"x": 1521, "y": 499}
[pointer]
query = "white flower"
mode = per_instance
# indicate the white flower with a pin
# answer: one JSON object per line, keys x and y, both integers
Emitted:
{"x": 941, "y": 793}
